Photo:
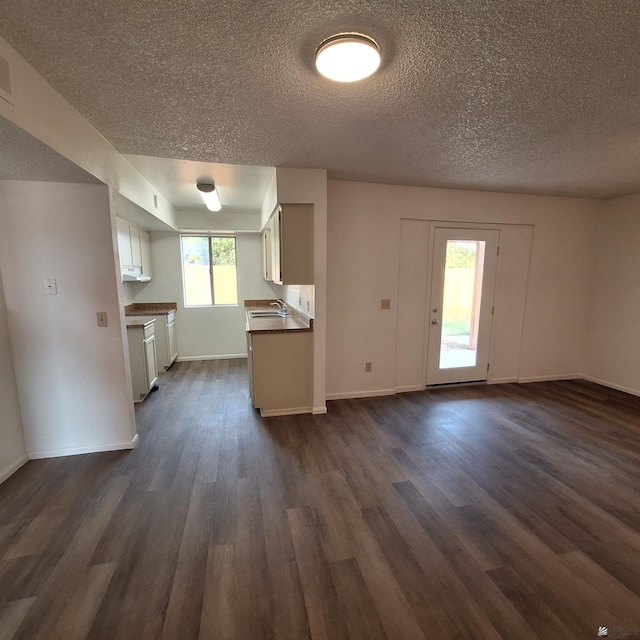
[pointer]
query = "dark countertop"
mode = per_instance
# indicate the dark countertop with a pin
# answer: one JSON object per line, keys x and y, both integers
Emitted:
{"x": 150, "y": 308}
{"x": 294, "y": 322}
{"x": 139, "y": 322}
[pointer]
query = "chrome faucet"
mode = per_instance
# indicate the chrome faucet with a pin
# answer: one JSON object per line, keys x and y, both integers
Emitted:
{"x": 283, "y": 307}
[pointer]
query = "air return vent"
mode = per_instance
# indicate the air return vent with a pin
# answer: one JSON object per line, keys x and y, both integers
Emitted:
{"x": 5, "y": 81}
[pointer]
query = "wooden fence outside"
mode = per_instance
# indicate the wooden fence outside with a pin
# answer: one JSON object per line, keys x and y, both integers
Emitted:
{"x": 458, "y": 295}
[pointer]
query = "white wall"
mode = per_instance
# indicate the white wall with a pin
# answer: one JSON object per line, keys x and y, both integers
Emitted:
{"x": 612, "y": 348}
{"x": 205, "y": 332}
{"x": 220, "y": 221}
{"x": 302, "y": 297}
{"x": 364, "y": 230}
{"x": 302, "y": 186}
{"x": 71, "y": 375}
{"x": 13, "y": 452}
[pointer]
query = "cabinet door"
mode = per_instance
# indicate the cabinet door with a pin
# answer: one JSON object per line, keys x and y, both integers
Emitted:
{"x": 282, "y": 371}
{"x": 267, "y": 254}
{"x": 150, "y": 361}
{"x": 250, "y": 367}
{"x": 172, "y": 341}
{"x": 145, "y": 251}
{"x": 124, "y": 243}
{"x": 296, "y": 244}
{"x": 276, "y": 247}
{"x": 136, "y": 253}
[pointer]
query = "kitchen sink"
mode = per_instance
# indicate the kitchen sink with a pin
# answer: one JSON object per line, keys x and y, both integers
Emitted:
{"x": 266, "y": 313}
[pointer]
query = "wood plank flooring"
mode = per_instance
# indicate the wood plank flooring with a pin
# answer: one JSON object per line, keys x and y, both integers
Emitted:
{"x": 484, "y": 512}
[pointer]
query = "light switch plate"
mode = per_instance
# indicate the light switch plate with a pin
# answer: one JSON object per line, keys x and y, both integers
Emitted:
{"x": 101, "y": 317}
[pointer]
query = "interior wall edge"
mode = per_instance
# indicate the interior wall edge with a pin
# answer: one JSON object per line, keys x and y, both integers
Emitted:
{"x": 9, "y": 470}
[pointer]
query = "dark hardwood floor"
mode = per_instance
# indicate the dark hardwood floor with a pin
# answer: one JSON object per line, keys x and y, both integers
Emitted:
{"x": 482, "y": 512}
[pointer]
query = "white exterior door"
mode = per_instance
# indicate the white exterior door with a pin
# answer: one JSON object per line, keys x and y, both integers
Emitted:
{"x": 461, "y": 304}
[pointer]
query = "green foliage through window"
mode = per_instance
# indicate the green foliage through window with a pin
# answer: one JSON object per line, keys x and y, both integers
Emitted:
{"x": 223, "y": 250}
{"x": 461, "y": 255}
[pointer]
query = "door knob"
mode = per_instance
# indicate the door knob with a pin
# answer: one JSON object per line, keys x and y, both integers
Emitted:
{"x": 434, "y": 322}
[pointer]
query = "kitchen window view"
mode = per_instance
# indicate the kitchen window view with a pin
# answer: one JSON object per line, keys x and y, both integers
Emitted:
{"x": 209, "y": 270}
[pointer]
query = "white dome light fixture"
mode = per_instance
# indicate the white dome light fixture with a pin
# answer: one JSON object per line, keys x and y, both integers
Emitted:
{"x": 348, "y": 57}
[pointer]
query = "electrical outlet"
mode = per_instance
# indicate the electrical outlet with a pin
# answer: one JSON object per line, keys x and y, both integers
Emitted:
{"x": 101, "y": 317}
{"x": 50, "y": 287}
{"x": 367, "y": 367}
{"x": 385, "y": 303}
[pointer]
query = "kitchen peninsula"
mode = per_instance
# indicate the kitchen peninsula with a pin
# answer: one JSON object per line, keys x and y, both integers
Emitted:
{"x": 280, "y": 358}
{"x": 164, "y": 314}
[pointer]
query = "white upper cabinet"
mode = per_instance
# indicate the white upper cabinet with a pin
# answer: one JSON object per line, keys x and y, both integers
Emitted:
{"x": 267, "y": 252}
{"x": 134, "y": 246}
{"x": 124, "y": 244}
{"x": 136, "y": 253}
{"x": 145, "y": 253}
{"x": 292, "y": 244}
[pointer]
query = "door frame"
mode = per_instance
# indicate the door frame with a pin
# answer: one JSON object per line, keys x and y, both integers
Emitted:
{"x": 445, "y": 224}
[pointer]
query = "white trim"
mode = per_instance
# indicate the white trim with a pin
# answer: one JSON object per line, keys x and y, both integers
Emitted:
{"x": 560, "y": 376}
{"x": 74, "y": 451}
{"x": 293, "y": 411}
{"x": 612, "y": 385}
{"x": 13, "y": 467}
{"x": 318, "y": 411}
{"x": 502, "y": 380}
{"x": 411, "y": 387}
{"x": 361, "y": 394}
{"x": 229, "y": 356}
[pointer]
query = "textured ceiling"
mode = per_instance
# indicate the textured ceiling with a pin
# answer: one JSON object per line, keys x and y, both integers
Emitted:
{"x": 22, "y": 157}
{"x": 537, "y": 96}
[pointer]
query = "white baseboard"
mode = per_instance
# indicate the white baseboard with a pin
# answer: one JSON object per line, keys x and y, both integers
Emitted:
{"x": 229, "y": 356}
{"x": 502, "y": 380}
{"x": 361, "y": 394}
{"x": 75, "y": 451}
{"x": 565, "y": 376}
{"x": 13, "y": 467}
{"x": 318, "y": 411}
{"x": 293, "y": 411}
{"x": 612, "y": 385}
{"x": 412, "y": 387}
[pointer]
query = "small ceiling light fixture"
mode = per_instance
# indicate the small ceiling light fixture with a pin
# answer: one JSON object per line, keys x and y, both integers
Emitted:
{"x": 347, "y": 57}
{"x": 209, "y": 195}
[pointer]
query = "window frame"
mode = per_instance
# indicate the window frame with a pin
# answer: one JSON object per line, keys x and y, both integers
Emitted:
{"x": 210, "y": 237}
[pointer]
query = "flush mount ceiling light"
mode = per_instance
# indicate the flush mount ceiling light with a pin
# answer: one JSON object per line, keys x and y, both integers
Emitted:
{"x": 209, "y": 195}
{"x": 347, "y": 57}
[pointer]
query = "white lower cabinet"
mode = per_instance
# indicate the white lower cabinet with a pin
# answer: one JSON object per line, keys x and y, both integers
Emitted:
{"x": 280, "y": 372}
{"x": 166, "y": 340}
{"x": 142, "y": 357}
